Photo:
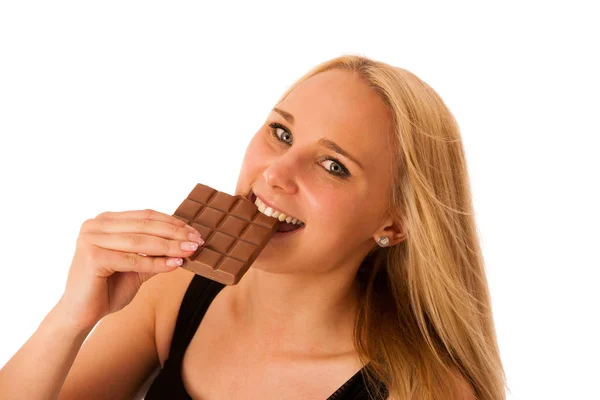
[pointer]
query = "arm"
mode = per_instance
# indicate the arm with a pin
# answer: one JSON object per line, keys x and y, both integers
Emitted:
{"x": 112, "y": 363}
{"x": 39, "y": 368}
{"x": 105, "y": 283}
{"x": 120, "y": 353}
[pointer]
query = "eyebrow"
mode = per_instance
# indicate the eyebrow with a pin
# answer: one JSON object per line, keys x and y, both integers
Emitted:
{"x": 334, "y": 147}
{"x": 288, "y": 117}
{"x": 331, "y": 145}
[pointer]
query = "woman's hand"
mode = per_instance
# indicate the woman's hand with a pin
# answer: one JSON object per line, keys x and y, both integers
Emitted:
{"x": 108, "y": 267}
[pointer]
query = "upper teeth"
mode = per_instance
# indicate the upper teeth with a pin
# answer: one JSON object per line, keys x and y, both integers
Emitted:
{"x": 269, "y": 212}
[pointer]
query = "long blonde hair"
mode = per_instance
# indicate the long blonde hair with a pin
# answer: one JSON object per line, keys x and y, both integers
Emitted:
{"x": 425, "y": 313}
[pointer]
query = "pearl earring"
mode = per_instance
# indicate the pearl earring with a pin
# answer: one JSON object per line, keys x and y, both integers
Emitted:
{"x": 383, "y": 241}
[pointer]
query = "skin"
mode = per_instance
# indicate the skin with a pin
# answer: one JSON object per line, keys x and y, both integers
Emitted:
{"x": 290, "y": 319}
{"x": 300, "y": 294}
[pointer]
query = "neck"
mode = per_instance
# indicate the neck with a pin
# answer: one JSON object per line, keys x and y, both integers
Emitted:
{"x": 296, "y": 313}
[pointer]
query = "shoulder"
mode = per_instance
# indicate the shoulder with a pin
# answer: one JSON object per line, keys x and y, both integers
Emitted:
{"x": 460, "y": 386}
{"x": 462, "y": 389}
{"x": 167, "y": 291}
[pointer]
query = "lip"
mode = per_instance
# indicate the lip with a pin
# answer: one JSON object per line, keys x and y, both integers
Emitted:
{"x": 284, "y": 234}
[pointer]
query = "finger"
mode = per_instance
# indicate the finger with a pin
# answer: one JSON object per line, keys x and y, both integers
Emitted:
{"x": 146, "y": 226}
{"x": 116, "y": 261}
{"x": 143, "y": 214}
{"x": 140, "y": 243}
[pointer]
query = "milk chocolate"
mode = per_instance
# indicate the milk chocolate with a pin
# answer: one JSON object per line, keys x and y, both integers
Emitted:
{"x": 233, "y": 230}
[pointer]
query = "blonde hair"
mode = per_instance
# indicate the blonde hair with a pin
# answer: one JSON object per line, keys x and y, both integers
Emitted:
{"x": 425, "y": 314}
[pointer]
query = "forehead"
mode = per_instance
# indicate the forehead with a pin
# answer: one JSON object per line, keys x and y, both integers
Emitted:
{"x": 337, "y": 105}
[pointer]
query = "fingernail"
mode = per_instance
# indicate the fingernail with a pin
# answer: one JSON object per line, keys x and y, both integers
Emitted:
{"x": 189, "y": 246}
{"x": 195, "y": 238}
{"x": 174, "y": 262}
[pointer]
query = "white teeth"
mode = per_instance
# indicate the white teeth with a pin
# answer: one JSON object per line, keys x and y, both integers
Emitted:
{"x": 268, "y": 211}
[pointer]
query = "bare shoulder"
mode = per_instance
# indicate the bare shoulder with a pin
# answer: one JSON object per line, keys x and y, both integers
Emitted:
{"x": 167, "y": 291}
{"x": 463, "y": 390}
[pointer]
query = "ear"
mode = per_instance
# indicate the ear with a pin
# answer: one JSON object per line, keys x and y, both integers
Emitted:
{"x": 393, "y": 230}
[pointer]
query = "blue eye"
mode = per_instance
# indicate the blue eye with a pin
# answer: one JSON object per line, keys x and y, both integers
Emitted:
{"x": 337, "y": 167}
{"x": 286, "y": 137}
{"x": 276, "y": 126}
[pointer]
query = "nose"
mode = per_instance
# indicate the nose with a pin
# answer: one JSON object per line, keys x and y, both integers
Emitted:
{"x": 281, "y": 175}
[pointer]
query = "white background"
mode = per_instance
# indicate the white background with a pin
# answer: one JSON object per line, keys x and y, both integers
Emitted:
{"x": 120, "y": 105}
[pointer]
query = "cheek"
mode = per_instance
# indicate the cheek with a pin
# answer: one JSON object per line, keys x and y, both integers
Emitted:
{"x": 350, "y": 219}
{"x": 338, "y": 212}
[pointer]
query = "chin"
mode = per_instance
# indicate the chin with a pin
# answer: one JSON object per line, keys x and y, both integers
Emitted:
{"x": 274, "y": 262}
{"x": 266, "y": 267}
{"x": 269, "y": 260}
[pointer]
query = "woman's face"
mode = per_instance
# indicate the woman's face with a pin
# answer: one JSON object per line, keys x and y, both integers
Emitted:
{"x": 327, "y": 164}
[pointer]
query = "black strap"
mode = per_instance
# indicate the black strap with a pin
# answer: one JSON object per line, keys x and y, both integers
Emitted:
{"x": 198, "y": 297}
{"x": 168, "y": 384}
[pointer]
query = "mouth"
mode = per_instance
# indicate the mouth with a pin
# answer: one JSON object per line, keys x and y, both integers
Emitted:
{"x": 284, "y": 228}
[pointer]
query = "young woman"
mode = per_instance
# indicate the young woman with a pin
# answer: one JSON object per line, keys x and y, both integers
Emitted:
{"x": 380, "y": 293}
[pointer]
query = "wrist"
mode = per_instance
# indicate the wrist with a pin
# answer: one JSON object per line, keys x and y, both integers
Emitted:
{"x": 61, "y": 317}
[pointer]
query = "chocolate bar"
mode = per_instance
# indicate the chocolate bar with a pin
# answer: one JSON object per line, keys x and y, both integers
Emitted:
{"x": 233, "y": 230}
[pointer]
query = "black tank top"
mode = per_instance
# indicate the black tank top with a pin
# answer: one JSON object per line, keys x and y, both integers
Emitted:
{"x": 197, "y": 298}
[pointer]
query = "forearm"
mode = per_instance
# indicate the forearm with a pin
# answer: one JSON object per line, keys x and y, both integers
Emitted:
{"x": 38, "y": 370}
